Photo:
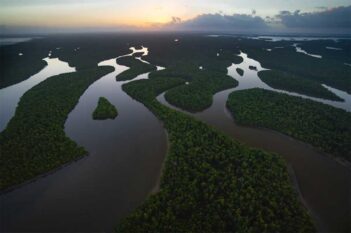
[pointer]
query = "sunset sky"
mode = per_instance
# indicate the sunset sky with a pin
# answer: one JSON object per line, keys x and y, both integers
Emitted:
{"x": 146, "y": 14}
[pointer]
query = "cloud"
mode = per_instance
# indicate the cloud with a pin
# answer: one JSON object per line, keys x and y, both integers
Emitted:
{"x": 339, "y": 17}
{"x": 218, "y": 22}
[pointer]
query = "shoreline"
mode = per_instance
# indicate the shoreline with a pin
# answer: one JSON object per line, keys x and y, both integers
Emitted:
{"x": 206, "y": 118}
{"x": 43, "y": 175}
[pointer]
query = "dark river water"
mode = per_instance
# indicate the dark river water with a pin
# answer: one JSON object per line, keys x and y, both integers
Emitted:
{"x": 94, "y": 193}
{"x": 126, "y": 156}
{"x": 324, "y": 184}
{"x": 10, "y": 96}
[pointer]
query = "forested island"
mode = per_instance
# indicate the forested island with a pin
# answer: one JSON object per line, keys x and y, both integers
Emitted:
{"x": 136, "y": 67}
{"x": 293, "y": 83}
{"x": 104, "y": 110}
{"x": 209, "y": 181}
{"x": 300, "y": 118}
{"x": 240, "y": 71}
{"x": 34, "y": 141}
{"x": 255, "y": 194}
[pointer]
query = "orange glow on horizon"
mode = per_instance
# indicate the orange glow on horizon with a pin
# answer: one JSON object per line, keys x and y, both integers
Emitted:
{"x": 86, "y": 16}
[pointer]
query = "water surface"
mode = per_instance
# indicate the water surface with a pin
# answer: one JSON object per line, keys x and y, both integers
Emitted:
{"x": 250, "y": 79}
{"x": 10, "y": 96}
{"x": 324, "y": 184}
{"x": 94, "y": 193}
{"x": 13, "y": 40}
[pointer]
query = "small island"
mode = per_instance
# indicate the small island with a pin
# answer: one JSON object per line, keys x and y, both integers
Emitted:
{"x": 240, "y": 71}
{"x": 104, "y": 110}
{"x": 253, "y": 68}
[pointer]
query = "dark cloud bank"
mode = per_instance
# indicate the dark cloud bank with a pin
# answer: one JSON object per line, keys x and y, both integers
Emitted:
{"x": 219, "y": 22}
{"x": 325, "y": 21}
{"x": 336, "y": 20}
{"x": 333, "y": 18}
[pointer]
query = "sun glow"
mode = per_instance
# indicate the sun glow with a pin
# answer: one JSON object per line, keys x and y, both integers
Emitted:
{"x": 94, "y": 15}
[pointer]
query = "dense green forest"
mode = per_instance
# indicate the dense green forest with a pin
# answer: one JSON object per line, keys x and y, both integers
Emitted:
{"x": 211, "y": 183}
{"x": 104, "y": 110}
{"x": 193, "y": 50}
{"x": 197, "y": 95}
{"x": 321, "y": 125}
{"x": 325, "y": 71}
{"x": 136, "y": 67}
{"x": 34, "y": 141}
{"x": 252, "y": 67}
{"x": 289, "y": 82}
{"x": 322, "y": 47}
{"x": 15, "y": 68}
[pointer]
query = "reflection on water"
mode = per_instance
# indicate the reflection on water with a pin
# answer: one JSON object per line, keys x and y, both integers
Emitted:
{"x": 13, "y": 40}
{"x": 250, "y": 79}
{"x": 300, "y": 50}
{"x": 94, "y": 193}
{"x": 296, "y": 38}
{"x": 10, "y": 96}
{"x": 325, "y": 185}
{"x": 333, "y": 48}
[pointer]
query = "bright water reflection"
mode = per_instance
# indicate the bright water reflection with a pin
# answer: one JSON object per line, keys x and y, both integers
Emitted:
{"x": 94, "y": 193}
{"x": 300, "y": 50}
{"x": 10, "y": 96}
{"x": 250, "y": 79}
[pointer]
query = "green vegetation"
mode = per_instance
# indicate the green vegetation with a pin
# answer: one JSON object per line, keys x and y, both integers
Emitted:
{"x": 136, "y": 67}
{"x": 289, "y": 82}
{"x": 323, "y": 126}
{"x": 104, "y": 110}
{"x": 240, "y": 71}
{"x": 34, "y": 141}
{"x": 320, "y": 47}
{"x": 15, "y": 68}
{"x": 198, "y": 94}
{"x": 193, "y": 50}
{"x": 324, "y": 71}
{"x": 210, "y": 183}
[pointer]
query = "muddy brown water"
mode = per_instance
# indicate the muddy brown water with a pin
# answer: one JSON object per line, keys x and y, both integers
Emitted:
{"x": 323, "y": 183}
{"x": 96, "y": 192}
{"x": 125, "y": 159}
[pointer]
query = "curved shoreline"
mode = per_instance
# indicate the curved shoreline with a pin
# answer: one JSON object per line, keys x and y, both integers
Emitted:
{"x": 312, "y": 168}
{"x": 130, "y": 149}
{"x": 40, "y": 176}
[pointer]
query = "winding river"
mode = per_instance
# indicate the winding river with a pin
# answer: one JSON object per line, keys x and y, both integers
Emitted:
{"x": 126, "y": 155}
{"x": 323, "y": 183}
{"x": 10, "y": 96}
{"x": 94, "y": 193}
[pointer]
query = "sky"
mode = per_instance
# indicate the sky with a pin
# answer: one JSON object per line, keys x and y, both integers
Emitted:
{"x": 192, "y": 15}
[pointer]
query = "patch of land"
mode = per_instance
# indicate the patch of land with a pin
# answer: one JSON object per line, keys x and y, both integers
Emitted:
{"x": 197, "y": 95}
{"x": 240, "y": 71}
{"x": 324, "y": 71}
{"x": 293, "y": 83}
{"x": 321, "y": 125}
{"x": 136, "y": 67}
{"x": 104, "y": 110}
{"x": 254, "y": 195}
{"x": 15, "y": 68}
{"x": 34, "y": 141}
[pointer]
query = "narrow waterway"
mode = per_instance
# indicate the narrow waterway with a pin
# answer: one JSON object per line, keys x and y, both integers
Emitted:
{"x": 250, "y": 79}
{"x": 10, "y": 96}
{"x": 325, "y": 184}
{"x": 94, "y": 193}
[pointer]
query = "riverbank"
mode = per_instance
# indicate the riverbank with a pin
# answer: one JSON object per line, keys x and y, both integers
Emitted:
{"x": 317, "y": 173}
